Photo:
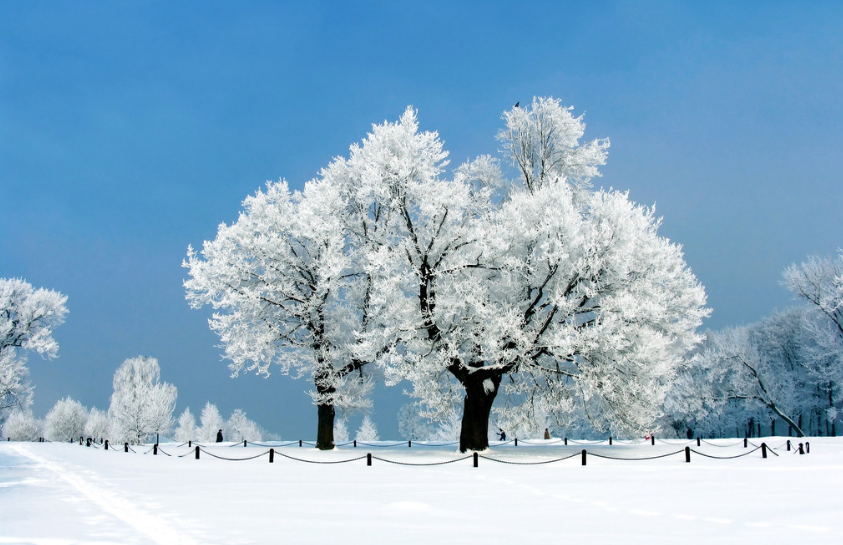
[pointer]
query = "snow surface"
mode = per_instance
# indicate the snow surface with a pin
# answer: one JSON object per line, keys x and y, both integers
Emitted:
{"x": 59, "y": 493}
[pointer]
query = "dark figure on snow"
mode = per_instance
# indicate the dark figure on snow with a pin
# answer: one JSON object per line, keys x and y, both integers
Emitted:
{"x": 546, "y": 434}
{"x": 689, "y": 434}
{"x": 219, "y": 436}
{"x": 502, "y": 434}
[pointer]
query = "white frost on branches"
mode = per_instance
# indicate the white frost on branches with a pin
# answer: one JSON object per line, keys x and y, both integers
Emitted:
{"x": 65, "y": 421}
{"x": 367, "y": 431}
{"x": 28, "y": 317}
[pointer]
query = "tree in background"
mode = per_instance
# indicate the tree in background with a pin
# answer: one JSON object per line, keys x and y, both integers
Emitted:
{"x": 239, "y": 428}
{"x": 210, "y": 422}
{"x": 22, "y": 426}
{"x": 98, "y": 425}
{"x": 141, "y": 405}
{"x": 186, "y": 428}
{"x": 28, "y": 317}
{"x": 367, "y": 430}
{"x": 65, "y": 421}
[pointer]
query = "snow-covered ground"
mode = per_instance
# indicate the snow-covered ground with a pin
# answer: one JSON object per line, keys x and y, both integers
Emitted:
{"x": 56, "y": 494}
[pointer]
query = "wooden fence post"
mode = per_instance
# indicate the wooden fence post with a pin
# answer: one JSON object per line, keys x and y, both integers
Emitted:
{"x": 653, "y": 440}
{"x": 788, "y": 445}
{"x": 125, "y": 447}
{"x": 807, "y": 448}
{"x": 476, "y": 457}
{"x": 688, "y": 455}
{"x": 566, "y": 441}
{"x": 244, "y": 442}
{"x": 410, "y": 443}
{"x": 801, "y": 451}
{"x": 190, "y": 443}
{"x": 299, "y": 442}
{"x": 197, "y": 452}
{"x": 88, "y": 442}
{"x": 610, "y": 440}
{"x": 745, "y": 441}
{"x": 583, "y": 456}
{"x": 155, "y": 449}
{"x": 763, "y": 450}
{"x": 355, "y": 443}
{"x": 368, "y": 458}
{"x": 271, "y": 455}
{"x": 516, "y": 441}
{"x": 698, "y": 441}
{"x": 106, "y": 444}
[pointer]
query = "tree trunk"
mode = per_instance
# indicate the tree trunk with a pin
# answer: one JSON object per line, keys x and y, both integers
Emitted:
{"x": 325, "y": 427}
{"x": 480, "y": 393}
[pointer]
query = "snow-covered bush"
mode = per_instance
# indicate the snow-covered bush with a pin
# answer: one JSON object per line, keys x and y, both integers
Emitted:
{"x": 186, "y": 429}
{"x": 367, "y": 431}
{"x": 22, "y": 426}
{"x": 98, "y": 425}
{"x": 65, "y": 421}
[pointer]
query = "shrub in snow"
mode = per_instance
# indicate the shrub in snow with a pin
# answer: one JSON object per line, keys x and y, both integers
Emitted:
{"x": 22, "y": 426}
{"x": 98, "y": 425}
{"x": 367, "y": 431}
{"x": 340, "y": 431}
{"x": 239, "y": 428}
{"x": 186, "y": 429}
{"x": 141, "y": 405}
{"x": 210, "y": 423}
{"x": 65, "y": 421}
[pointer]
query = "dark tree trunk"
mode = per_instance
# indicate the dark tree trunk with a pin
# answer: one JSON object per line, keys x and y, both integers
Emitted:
{"x": 325, "y": 427}
{"x": 477, "y": 406}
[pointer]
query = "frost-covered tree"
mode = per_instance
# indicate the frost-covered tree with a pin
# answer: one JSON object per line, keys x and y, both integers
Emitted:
{"x": 367, "y": 430}
{"x": 66, "y": 420}
{"x": 98, "y": 425}
{"x": 28, "y": 317}
{"x": 570, "y": 294}
{"x": 340, "y": 431}
{"x": 210, "y": 422}
{"x": 238, "y": 428}
{"x": 186, "y": 427}
{"x": 287, "y": 290}
{"x": 22, "y": 426}
{"x": 141, "y": 404}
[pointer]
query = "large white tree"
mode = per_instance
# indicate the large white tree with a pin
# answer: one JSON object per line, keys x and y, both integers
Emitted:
{"x": 65, "y": 421}
{"x": 28, "y": 317}
{"x": 567, "y": 292}
{"x": 141, "y": 404}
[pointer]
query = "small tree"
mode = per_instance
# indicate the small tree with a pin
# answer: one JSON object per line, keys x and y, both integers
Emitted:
{"x": 210, "y": 422}
{"x": 340, "y": 430}
{"x": 238, "y": 428}
{"x": 367, "y": 431}
{"x": 141, "y": 405}
{"x": 28, "y": 317}
{"x": 22, "y": 426}
{"x": 66, "y": 420}
{"x": 98, "y": 425}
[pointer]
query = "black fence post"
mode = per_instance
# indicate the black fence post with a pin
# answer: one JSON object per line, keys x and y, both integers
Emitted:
{"x": 244, "y": 442}
{"x": 88, "y": 442}
{"x": 566, "y": 441}
{"x": 197, "y": 452}
{"x": 698, "y": 441}
{"x": 688, "y": 455}
{"x": 653, "y": 440}
{"x": 610, "y": 440}
{"x": 807, "y": 448}
{"x": 299, "y": 442}
{"x": 125, "y": 447}
{"x": 271, "y": 455}
{"x": 788, "y": 445}
{"x": 355, "y": 443}
{"x": 410, "y": 443}
{"x": 745, "y": 441}
{"x": 368, "y": 458}
{"x": 190, "y": 443}
{"x": 81, "y": 439}
{"x": 155, "y": 449}
{"x": 763, "y": 450}
{"x": 106, "y": 444}
{"x": 583, "y": 456}
{"x": 801, "y": 451}
{"x": 476, "y": 458}
{"x": 516, "y": 441}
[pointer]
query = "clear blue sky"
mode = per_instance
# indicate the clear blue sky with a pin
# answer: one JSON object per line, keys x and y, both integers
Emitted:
{"x": 129, "y": 130}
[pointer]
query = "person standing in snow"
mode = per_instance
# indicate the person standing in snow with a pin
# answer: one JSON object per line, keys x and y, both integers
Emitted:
{"x": 219, "y": 436}
{"x": 502, "y": 434}
{"x": 546, "y": 434}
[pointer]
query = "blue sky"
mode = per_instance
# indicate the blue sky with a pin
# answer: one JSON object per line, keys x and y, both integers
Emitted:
{"x": 129, "y": 130}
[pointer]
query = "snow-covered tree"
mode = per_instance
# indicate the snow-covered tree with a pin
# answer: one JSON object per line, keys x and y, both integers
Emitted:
{"x": 141, "y": 404}
{"x": 210, "y": 422}
{"x": 22, "y": 426}
{"x": 287, "y": 291}
{"x": 98, "y": 425}
{"x": 238, "y": 428}
{"x": 186, "y": 428}
{"x": 340, "y": 430}
{"x": 367, "y": 430}
{"x": 28, "y": 317}
{"x": 65, "y": 421}
{"x": 570, "y": 294}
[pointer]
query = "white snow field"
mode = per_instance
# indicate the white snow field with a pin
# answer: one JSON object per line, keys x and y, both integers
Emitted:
{"x": 57, "y": 494}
